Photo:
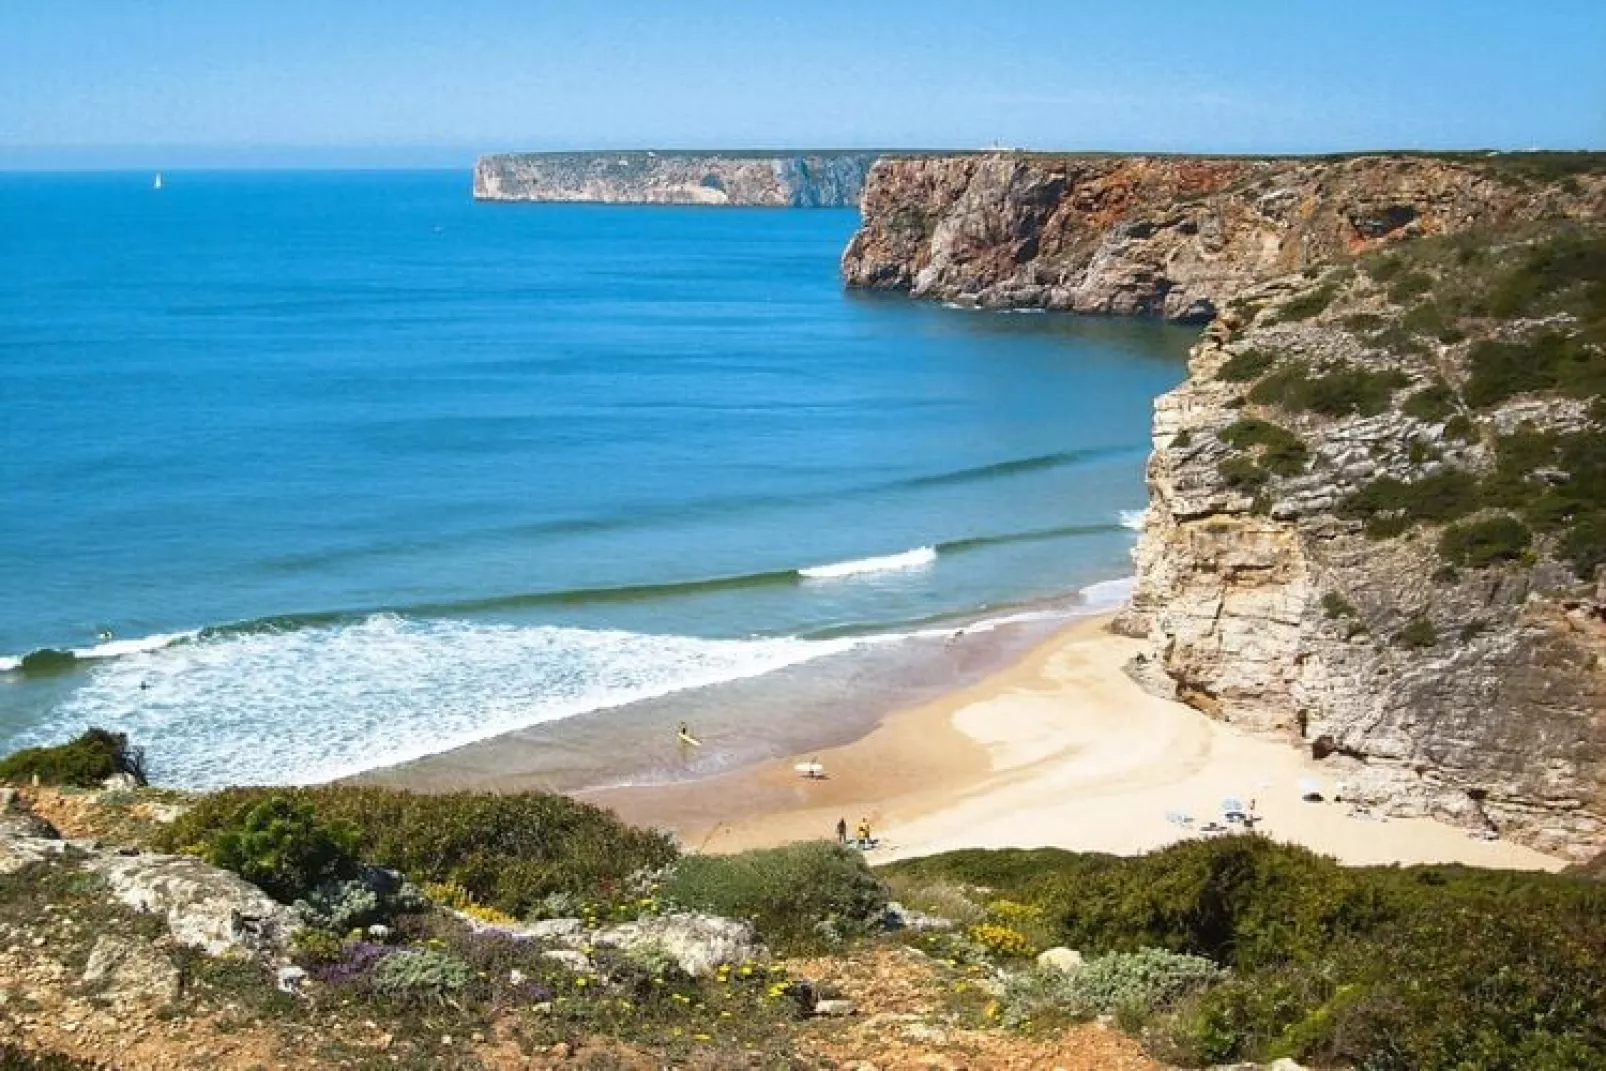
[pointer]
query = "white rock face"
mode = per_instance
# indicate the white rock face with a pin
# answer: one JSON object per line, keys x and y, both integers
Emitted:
{"x": 205, "y": 907}
{"x": 1274, "y": 611}
{"x": 1066, "y": 960}
{"x": 698, "y": 943}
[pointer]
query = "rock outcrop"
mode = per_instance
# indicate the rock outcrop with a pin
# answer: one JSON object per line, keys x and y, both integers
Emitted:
{"x": 1376, "y": 505}
{"x": 1361, "y": 537}
{"x": 1165, "y": 236}
{"x": 769, "y": 180}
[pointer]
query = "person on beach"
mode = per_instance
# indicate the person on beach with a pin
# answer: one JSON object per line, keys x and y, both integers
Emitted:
{"x": 841, "y": 830}
{"x": 864, "y": 833}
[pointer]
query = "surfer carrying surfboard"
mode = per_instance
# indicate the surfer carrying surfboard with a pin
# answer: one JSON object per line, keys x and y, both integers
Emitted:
{"x": 683, "y": 734}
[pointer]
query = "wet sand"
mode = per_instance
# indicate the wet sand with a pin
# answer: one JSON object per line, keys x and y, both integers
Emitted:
{"x": 1059, "y": 749}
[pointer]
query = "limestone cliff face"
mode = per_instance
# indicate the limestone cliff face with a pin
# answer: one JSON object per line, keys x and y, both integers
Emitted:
{"x": 1377, "y": 528}
{"x": 1377, "y": 516}
{"x": 1160, "y": 236}
{"x": 771, "y": 180}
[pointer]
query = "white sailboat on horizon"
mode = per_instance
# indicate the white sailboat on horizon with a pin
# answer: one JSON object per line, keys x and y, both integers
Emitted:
{"x": 157, "y": 184}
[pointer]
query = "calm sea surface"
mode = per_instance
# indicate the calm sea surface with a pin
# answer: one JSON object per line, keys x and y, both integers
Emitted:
{"x": 352, "y": 469}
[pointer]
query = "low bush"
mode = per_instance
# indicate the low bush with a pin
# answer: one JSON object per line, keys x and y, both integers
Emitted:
{"x": 1417, "y": 634}
{"x": 798, "y": 896}
{"x": 1281, "y": 451}
{"x": 1000, "y": 940}
{"x": 1336, "y": 606}
{"x": 1389, "y": 505}
{"x": 1339, "y": 390}
{"x": 1373, "y": 967}
{"x": 1305, "y": 305}
{"x": 1408, "y": 287}
{"x": 281, "y": 845}
{"x": 340, "y": 905}
{"x": 1485, "y": 542}
{"x": 508, "y": 851}
{"x": 1242, "y": 474}
{"x": 1552, "y": 361}
{"x": 1435, "y": 403}
{"x": 1245, "y": 366}
{"x": 420, "y": 974}
{"x": 85, "y": 762}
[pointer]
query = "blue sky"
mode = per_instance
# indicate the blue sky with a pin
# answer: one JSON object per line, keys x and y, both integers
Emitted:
{"x": 208, "y": 82}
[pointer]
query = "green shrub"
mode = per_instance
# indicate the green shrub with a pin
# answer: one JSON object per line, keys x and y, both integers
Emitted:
{"x": 1242, "y": 474}
{"x": 1383, "y": 268}
{"x": 1418, "y": 634}
{"x": 1182, "y": 439}
{"x": 1305, "y": 305}
{"x": 1553, "y": 361}
{"x": 798, "y": 895}
{"x": 508, "y": 851}
{"x": 1340, "y": 390}
{"x": 1245, "y": 366}
{"x": 1361, "y": 322}
{"x": 1409, "y": 287}
{"x": 1460, "y": 427}
{"x": 420, "y": 973}
{"x": 1131, "y": 983}
{"x": 1482, "y": 543}
{"x": 1282, "y": 452}
{"x": 1435, "y": 403}
{"x": 1390, "y": 506}
{"x": 85, "y": 762}
{"x": 1371, "y": 967}
{"x": 1585, "y": 544}
{"x": 1336, "y": 606}
{"x": 281, "y": 845}
{"x": 341, "y": 905}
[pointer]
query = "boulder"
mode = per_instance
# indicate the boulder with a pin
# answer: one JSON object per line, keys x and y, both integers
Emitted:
{"x": 25, "y": 838}
{"x": 561, "y": 931}
{"x": 898, "y": 917}
{"x": 131, "y": 972}
{"x": 697, "y": 943}
{"x": 834, "y": 1009}
{"x": 1066, "y": 960}
{"x": 205, "y": 907}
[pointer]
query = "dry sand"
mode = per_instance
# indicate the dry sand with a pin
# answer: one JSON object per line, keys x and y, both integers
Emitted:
{"x": 1061, "y": 750}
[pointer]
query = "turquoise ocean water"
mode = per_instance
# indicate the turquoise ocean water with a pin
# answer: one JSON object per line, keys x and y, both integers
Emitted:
{"x": 353, "y": 469}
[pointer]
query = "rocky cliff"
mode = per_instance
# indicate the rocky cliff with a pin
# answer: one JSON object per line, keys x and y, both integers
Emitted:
{"x": 1163, "y": 236}
{"x": 1378, "y": 504}
{"x": 770, "y": 180}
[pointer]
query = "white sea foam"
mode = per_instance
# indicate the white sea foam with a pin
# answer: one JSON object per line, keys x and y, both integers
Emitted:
{"x": 112, "y": 648}
{"x": 1133, "y": 518}
{"x": 1108, "y": 594}
{"x": 319, "y": 703}
{"x": 919, "y": 558}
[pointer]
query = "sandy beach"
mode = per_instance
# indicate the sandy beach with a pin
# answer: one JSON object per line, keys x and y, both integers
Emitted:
{"x": 1061, "y": 749}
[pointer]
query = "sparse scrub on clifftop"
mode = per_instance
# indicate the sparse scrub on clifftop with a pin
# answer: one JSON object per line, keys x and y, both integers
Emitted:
{"x": 87, "y": 761}
{"x": 804, "y": 895}
{"x": 1376, "y": 967}
{"x": 508, "y": 851}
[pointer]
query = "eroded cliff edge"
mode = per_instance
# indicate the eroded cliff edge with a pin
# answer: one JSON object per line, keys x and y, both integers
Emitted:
{"x": 1163, "y": 235}
{"x": 769, "y": 180}
{"x": 1377, "y": 515}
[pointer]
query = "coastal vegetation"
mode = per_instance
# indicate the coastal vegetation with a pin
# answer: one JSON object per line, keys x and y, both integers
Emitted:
{"x": 1377, "y": 967}
{"x": 88, "y": 760}
{"x": 509, "y": 852}
{"x": 409, "y": 909}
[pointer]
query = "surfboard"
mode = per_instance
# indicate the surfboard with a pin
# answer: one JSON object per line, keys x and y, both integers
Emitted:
{"x": 687, "y": 738}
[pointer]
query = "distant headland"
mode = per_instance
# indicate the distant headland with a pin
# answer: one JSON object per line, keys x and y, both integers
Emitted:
{"x": 765, "y": 178}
